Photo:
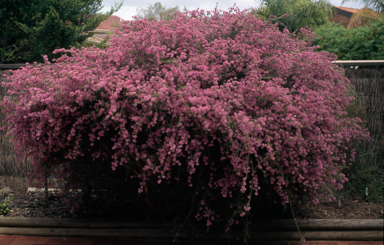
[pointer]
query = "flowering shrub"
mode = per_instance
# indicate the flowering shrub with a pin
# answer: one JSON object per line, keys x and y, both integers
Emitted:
{"x": 221, "y": 106}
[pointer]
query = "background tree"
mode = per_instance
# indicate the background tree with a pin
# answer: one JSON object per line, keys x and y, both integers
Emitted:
{"x": 363, "y": 17}
{"x": 158, "y": 12}
{"x": 32, "y": 28}
{"x": 361, "y": 43}
{"x": 301, "y": 13}
{"x": 376, "y": 5}
{"x": 370, "y": 13}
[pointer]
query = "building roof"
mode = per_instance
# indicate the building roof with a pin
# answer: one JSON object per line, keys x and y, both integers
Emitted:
{"x": 110, "y": 23}
{"x": 350, "y": 10}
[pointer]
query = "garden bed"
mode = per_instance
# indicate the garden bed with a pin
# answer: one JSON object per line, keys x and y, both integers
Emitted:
{"x": 32, "y": 204}
{"x": 28, "y": 215}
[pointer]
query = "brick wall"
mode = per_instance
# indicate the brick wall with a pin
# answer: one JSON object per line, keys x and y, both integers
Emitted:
{"x": 342, "y": 19}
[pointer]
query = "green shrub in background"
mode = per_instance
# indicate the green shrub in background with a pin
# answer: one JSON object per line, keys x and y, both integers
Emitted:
{"x": 4, "y": 208}
{"x": 361, "y": 43}
{"x": 365, "y": 174}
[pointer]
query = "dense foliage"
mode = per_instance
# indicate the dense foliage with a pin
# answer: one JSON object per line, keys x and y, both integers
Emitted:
{"x": 361, "y": 43}
{"x": 30, "y": 29}
{"x": 218, "y": 111}
{"x": 295, "y": 14}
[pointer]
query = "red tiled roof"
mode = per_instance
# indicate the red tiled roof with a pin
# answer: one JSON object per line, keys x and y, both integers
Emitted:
{"x": 351, "y": 10}
{"x": 110, "y": 23}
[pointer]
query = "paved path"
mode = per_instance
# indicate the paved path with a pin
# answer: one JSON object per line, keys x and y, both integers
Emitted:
{"x": 30, "y": 240}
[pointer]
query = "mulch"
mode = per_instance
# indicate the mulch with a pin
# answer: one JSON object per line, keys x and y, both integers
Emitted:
{"x": 33, "y": 204}
{"x": 349, "y": 209}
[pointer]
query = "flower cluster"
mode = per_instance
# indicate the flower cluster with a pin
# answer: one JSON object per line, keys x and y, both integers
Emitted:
{"x": 216, "y": 102}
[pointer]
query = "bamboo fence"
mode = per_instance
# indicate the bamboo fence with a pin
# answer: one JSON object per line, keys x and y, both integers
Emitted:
{"x": 369, "y": 88}
{"x": 13, "y": 173}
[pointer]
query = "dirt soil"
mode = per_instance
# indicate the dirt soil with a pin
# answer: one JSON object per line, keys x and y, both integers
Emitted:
{"x": 348, "y": 210}
{"x": 33, "y": 205}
